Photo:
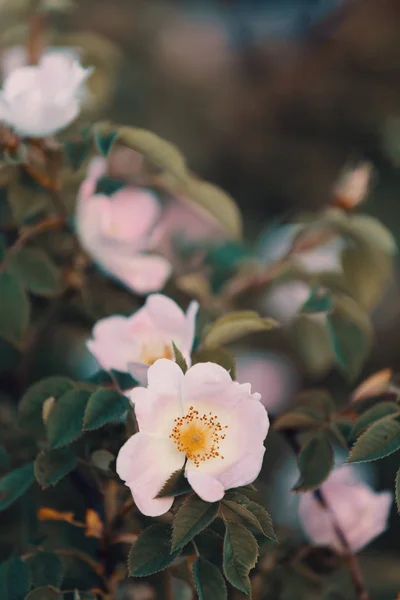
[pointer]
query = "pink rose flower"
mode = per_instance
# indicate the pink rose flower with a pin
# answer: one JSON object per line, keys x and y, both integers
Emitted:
{"x": 361, "y": 513}
{"x": 136, "y": 342}
{"x": 273, "y": 375}
{"x": 203, "y": 421}
{"x": 118, "y": 231}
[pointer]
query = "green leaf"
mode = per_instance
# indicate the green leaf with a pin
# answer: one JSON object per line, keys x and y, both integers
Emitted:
{"x": 65, "y": 421}
{"x": 351, "y": 336}
{"x": 15, "y": 484}
{"x": 105, "y": 141}
{"x": 14, "y": 579}
{"x": 14, "y": 308}
{"x": 176, "y": 485}
{"x": 37, "y": 272}
{"x": 216, "y": 202}
{"x": 152, "y": 551}
{"x": 298, "y": 419}
{"x": 365, "y": 229}
{"x": 77, "y": 152}
{"x": 375, "y": 413}
{"x": 220, "y": 356}
{"x": 235, "y": 325}
{"x": 379, "y": 440}
{"x": 319, "y": 400}
{"x": 108, "y": 186}
{"x": 52, "y": 465}
{"x": 179, "y": 358}
{"x": 311, "y": 341}
{"x": 158, "y": 152}
{"x": 44, "y": 593}
{"x": 398, "y": 490}
{"x": 210, "y": 583}
{"x": 240, "y": 556}
{"x": 31, "y": 404}
{"x": 263, "y": 517}
{"x": 366, "y": 272}
{"x": 192, "y": 517}
{"x": 5, "y": 461}
{"x": 238, "y": 513}
{"x": 315, "y": 463}
{"x": 104, "y": 405}
{"x": 46, "y": 569}
{"x": 317, "y": 302}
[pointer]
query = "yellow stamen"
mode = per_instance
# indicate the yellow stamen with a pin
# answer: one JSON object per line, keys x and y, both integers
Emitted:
{"x": 198, "y": 436}
{"x": 151, "y": 353}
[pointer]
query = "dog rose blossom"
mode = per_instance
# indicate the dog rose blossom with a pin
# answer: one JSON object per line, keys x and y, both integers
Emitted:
{"x": 41, "y": 100}
{"x": 201, "y": 420}
{"x": 136, "y": 342}
{"x": 361, "y": 513}
{"x": 117, "y": 231}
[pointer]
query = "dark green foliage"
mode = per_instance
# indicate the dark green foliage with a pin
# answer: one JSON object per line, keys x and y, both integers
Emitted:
{"x": 152, "y": 551}
{"x": 65, "y": 421}
{"x": 14, "y": 579}
{"x": 317, "y": 302}
{"x": 379, "y": 440}
{"x": 53, "y": 465}
{"x": 104, "y": 142}
{"x": 179, "y": 358}
{"x": 375, "y": 413}
{"x": 264, "y": 521}
{"x": 77, "y": 152}
{"x": 176, "y": 485}
{"x": 45, "y": 569}
{"x": 397, "y": 490}
{"x": 104, "y": 405}
{"x": 108, "y": 186}
{"x": 37, "y": 272}
{"x": 192, "y": 517}
{"x": 15, "y": 484}
{"x": 351, "y": 336}
{"x": 240, "y": 556}
{"x": 14, "y": 308}
{"x": 209, "y": 581}
{"x": 315, "y": 463}
{"x": 31, "y": 404}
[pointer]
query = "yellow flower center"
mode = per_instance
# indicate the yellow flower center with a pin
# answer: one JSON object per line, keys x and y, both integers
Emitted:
{"x": 152, "y": 352}
{"x": 198, "y": 436}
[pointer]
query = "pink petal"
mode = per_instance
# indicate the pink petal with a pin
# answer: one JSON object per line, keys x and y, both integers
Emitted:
{"x": 155, "y": 413}
{"x": 110, "y": 344}
{"x": 165, "y": 378}
{"x": 131, "y": 215}
{"x": 166, "y": 314}
{"x": 145, "y": 463}
{"x": 206, "y": 486}
{"x": 244, "y": 471}
{"x": 142, "y": 274}
{"x": 138, "y": 372}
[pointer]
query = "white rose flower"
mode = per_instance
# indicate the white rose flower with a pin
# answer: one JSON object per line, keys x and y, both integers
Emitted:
{"x": 38, "y": 101}
{"x": 201, "y": 421}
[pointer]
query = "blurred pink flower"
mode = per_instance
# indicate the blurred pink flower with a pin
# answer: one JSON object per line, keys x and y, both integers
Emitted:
{"x": 361, "y": 513}
{"x": 283, "y": 300}
{"x": 133, "y": 343}
{"x": 184, "y": 223}
{"x": 203, "y": 421}
{"x": 41, "y": 100}
{"x": 273, "y": 375}
{"x": 117, "y": 231}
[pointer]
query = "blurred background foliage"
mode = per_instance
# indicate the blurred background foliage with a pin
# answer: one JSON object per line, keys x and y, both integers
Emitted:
{"x": 269, "y": 99}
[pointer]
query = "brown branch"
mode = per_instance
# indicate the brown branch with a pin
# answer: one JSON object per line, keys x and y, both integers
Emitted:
{"x": 354, "y": 566}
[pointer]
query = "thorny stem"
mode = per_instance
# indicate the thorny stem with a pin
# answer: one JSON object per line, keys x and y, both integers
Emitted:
{"x": 352, "y": 560}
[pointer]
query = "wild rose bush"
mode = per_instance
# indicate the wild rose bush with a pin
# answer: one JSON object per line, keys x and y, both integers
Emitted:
{"x": 143, "y": 444}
